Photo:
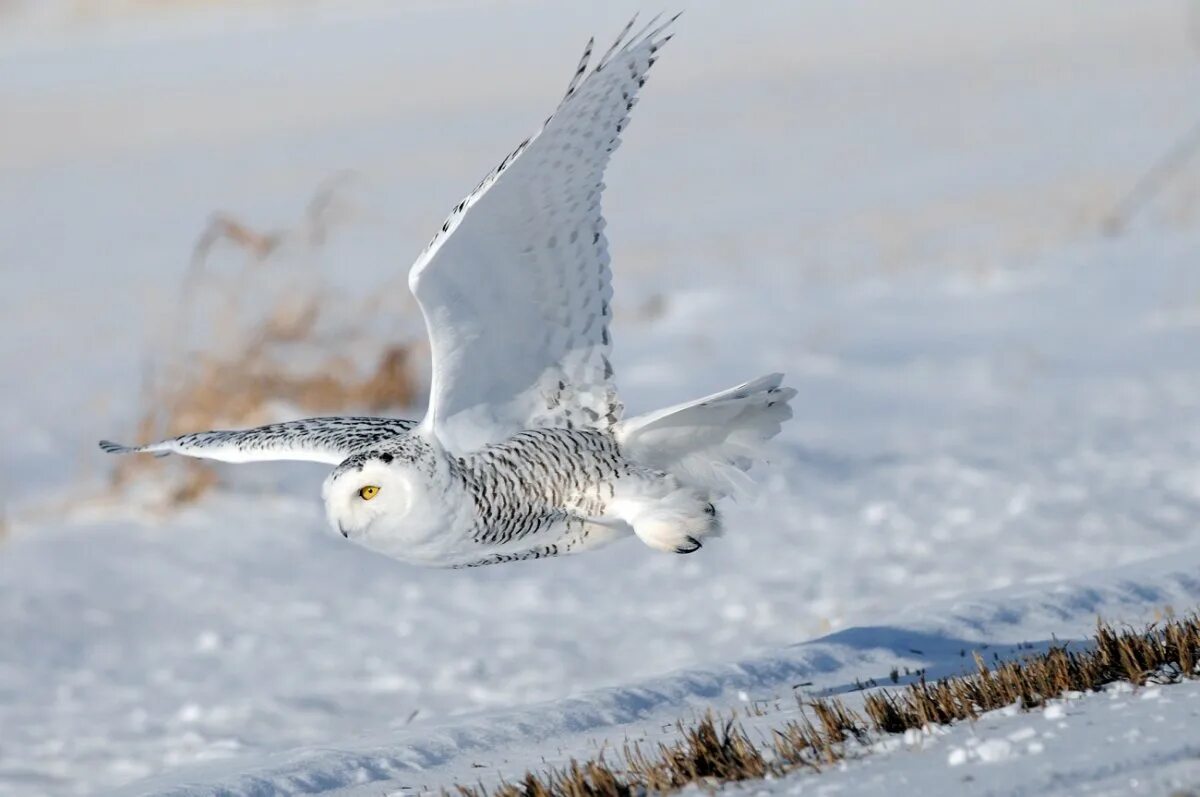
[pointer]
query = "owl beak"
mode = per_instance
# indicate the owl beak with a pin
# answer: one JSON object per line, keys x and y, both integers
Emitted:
{"x": 342, "y": 529}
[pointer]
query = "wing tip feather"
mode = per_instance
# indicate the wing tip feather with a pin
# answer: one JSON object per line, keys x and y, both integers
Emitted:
{"x": 109, "y": 447}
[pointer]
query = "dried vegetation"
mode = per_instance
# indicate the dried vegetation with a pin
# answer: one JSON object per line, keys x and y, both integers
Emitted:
{"x": 712, "y": 751}
{"x": 257, "y": 341}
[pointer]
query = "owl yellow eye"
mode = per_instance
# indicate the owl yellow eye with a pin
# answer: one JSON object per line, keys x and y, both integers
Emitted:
{"x": 368, "y": 492}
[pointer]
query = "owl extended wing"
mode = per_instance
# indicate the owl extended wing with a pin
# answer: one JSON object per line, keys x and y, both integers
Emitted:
{"x": 313, "y": 439}
{"x": 515, "y": 287}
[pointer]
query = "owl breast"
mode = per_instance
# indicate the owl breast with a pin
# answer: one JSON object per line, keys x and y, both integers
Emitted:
{"x": 540, "y": 484}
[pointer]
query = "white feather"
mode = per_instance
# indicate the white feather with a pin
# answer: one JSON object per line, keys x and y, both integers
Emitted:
{"x": 710, "y": 442}
{"x": 515, "y": 288}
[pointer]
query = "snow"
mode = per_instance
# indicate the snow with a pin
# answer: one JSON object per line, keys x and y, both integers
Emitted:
{"x": 1103, "y": 744}
{"x": 937, "y": 638}
{"x": 898, "y": 207}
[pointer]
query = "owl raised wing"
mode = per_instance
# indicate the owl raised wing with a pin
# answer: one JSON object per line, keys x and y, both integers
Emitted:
{"x": 515, "y": 287}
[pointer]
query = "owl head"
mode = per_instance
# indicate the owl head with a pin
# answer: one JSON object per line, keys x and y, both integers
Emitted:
{"x": 387, "y": 500}
{"x": 364, "y": 489}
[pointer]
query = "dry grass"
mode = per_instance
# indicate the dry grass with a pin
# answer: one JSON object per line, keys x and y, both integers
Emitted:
{"x": 1154, "y": 182}
{"x": 712, "y": 752}
{"x": 708, "y": 752}
{"x": 243, "y": 359}
{"x": 1164, "y": 653}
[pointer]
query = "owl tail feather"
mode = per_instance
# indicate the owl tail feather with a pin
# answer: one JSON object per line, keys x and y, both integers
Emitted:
{"x": 710, "y": 442}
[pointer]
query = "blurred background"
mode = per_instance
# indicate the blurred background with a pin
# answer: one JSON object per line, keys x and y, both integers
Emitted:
{"x": 966, "y": 232}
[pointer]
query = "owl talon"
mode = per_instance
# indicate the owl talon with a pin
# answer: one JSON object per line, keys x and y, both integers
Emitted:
{"x": 691, "y": 545}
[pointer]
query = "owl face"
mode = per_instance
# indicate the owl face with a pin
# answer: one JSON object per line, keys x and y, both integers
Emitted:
{"x": 370, "y": 497}
{"x": 396, "y": 503}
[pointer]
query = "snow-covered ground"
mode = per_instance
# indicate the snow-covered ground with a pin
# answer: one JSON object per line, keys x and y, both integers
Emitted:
{"x": 1121, "y": 734}
{"x": 899, "y": 205}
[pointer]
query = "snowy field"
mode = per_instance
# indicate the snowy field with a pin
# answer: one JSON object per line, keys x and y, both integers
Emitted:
{"x": 898, "y": 205}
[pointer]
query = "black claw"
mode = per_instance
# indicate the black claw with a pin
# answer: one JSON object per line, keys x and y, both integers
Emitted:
{"x": 709, "y": 509}
{"x": 691, "y": 541}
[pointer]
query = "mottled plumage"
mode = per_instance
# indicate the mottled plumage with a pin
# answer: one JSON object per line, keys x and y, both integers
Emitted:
{"x": 523, "y": 452}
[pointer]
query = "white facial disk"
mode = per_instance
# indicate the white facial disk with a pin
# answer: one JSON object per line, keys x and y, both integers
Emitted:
{"x": 364, "y": 503}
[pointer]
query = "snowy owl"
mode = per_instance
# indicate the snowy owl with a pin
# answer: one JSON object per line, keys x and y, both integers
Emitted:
{"x": 523, "y": 452}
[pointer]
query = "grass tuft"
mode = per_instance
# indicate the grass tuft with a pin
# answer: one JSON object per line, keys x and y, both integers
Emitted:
{"x": 708, "y": 751}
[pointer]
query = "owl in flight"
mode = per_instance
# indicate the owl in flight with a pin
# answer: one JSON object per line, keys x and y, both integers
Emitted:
{"x": 523, "y": 452}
